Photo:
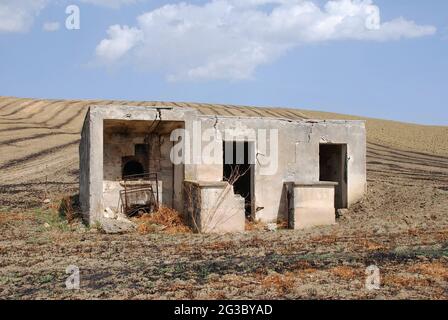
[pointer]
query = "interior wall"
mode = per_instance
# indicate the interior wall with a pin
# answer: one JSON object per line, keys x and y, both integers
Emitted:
{"x": 238, "y": 164}
{"x": 120, "y": 145}
{"x": 332, "y": 167}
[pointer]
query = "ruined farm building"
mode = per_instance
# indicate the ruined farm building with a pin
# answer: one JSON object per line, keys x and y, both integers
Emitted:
{"x": 219, "y": 166}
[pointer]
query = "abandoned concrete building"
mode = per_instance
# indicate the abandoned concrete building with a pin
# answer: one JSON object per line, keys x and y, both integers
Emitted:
{"x": 236, "y": 164}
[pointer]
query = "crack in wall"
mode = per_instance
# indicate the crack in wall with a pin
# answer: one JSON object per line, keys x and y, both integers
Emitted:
{"x": 216, "y": 123}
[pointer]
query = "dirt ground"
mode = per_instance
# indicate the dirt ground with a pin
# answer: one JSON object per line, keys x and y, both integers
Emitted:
{"x": 401, "y": 226}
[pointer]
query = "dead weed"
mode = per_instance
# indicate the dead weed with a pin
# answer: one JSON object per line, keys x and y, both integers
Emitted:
{"x": 432, "y": 269}
{"x": 325, "y": 239}
{"x": 165, "y": 219}
{"x": 254, "y": 225}
{"x": 371, "y": 245}
{"x": 304, "y": 268}
{"x": 406, "y": 281}
{"x": 10, "y": 217}
{"x": 345, "y": 272}
{"x": 222, "y": 245}
{"x": 281, "y": 282}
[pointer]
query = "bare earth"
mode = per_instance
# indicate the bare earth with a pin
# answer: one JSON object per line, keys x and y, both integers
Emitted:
{"x": 401, "y": 227}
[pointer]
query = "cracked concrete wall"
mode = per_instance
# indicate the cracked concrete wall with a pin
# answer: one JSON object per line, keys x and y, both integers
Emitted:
{"x": 298, "y": 156}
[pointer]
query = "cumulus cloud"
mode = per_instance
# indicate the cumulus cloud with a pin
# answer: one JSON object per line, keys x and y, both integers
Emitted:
{"x": 229, "y": 39}
{"x": 120, "y": 41}
{"x": 18, "y": 15}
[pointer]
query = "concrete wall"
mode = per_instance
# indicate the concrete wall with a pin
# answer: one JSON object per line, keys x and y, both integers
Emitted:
{"x": 90, "y": 180}
{"x": 310, "y": 205}
{"x": 213, "y": 207}
{"x": 84, "y": 173}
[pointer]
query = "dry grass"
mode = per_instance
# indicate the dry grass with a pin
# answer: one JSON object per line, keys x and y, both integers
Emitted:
{"x": 415, "y": 232}
{"x": 219, "y": 296}
{"x": 304, "y": 269}
{"x": 325, "y": 239}
{"x": 221, "y": 245}
{"x": 282, "y": 224}
{"x": 281, "y": 282}
{"x": 442, "y": 236}
{"x": 165, "y": 219}
{"x": 405, "y": 281}
{"x": 254, "y": 225}
{"x": 66, "y": 207}
{"x": 432, "y": 269}
{"x": 9, "y": 217}
{"x": 345, "y": 272}
{"x": 371, "y": 245}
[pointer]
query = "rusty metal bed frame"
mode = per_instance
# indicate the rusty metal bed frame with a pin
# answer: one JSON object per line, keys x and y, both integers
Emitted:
{"x": 140, "y": 185}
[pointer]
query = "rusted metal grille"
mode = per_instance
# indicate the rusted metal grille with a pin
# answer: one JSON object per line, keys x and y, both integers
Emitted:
{"x": 138, "y": 195}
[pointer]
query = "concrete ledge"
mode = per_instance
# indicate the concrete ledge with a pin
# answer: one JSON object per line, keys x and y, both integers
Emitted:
{"x": 207, "y": 184}
{"x": 317, "y": 184}
{"x": 277, "y": 118}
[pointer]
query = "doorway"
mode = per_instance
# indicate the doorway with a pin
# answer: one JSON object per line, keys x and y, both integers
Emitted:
{"x": 333, "y": 167}
{"x": 238, "y": 170}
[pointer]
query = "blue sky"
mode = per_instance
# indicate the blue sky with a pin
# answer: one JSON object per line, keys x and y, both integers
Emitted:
{"x": 291, "y": 53}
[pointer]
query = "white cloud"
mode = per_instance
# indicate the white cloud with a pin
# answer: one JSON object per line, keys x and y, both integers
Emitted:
{"x": 18, "y": 15}
{"x": 229, "y": 39}
{"x": 120, "y": 41}
{"x": 51, "y": 26}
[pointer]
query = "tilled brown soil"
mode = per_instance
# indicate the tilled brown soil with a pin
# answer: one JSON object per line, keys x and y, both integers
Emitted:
{"x": 401, "y": 226}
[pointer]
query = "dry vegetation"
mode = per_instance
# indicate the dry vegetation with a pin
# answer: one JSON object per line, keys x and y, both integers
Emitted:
{"x": 164, "y": 220}
{"x": 401, "y": 226}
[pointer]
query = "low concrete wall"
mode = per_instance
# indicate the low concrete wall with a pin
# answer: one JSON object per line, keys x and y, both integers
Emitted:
{"x": 212, "y": 207}
{"x": 311, "y": 204}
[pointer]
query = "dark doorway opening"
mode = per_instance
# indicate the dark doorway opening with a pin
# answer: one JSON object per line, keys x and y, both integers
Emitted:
{"x": 132, "y": 167}
{"x": 238, "y": 170}
{"x": 333, "y": 167}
